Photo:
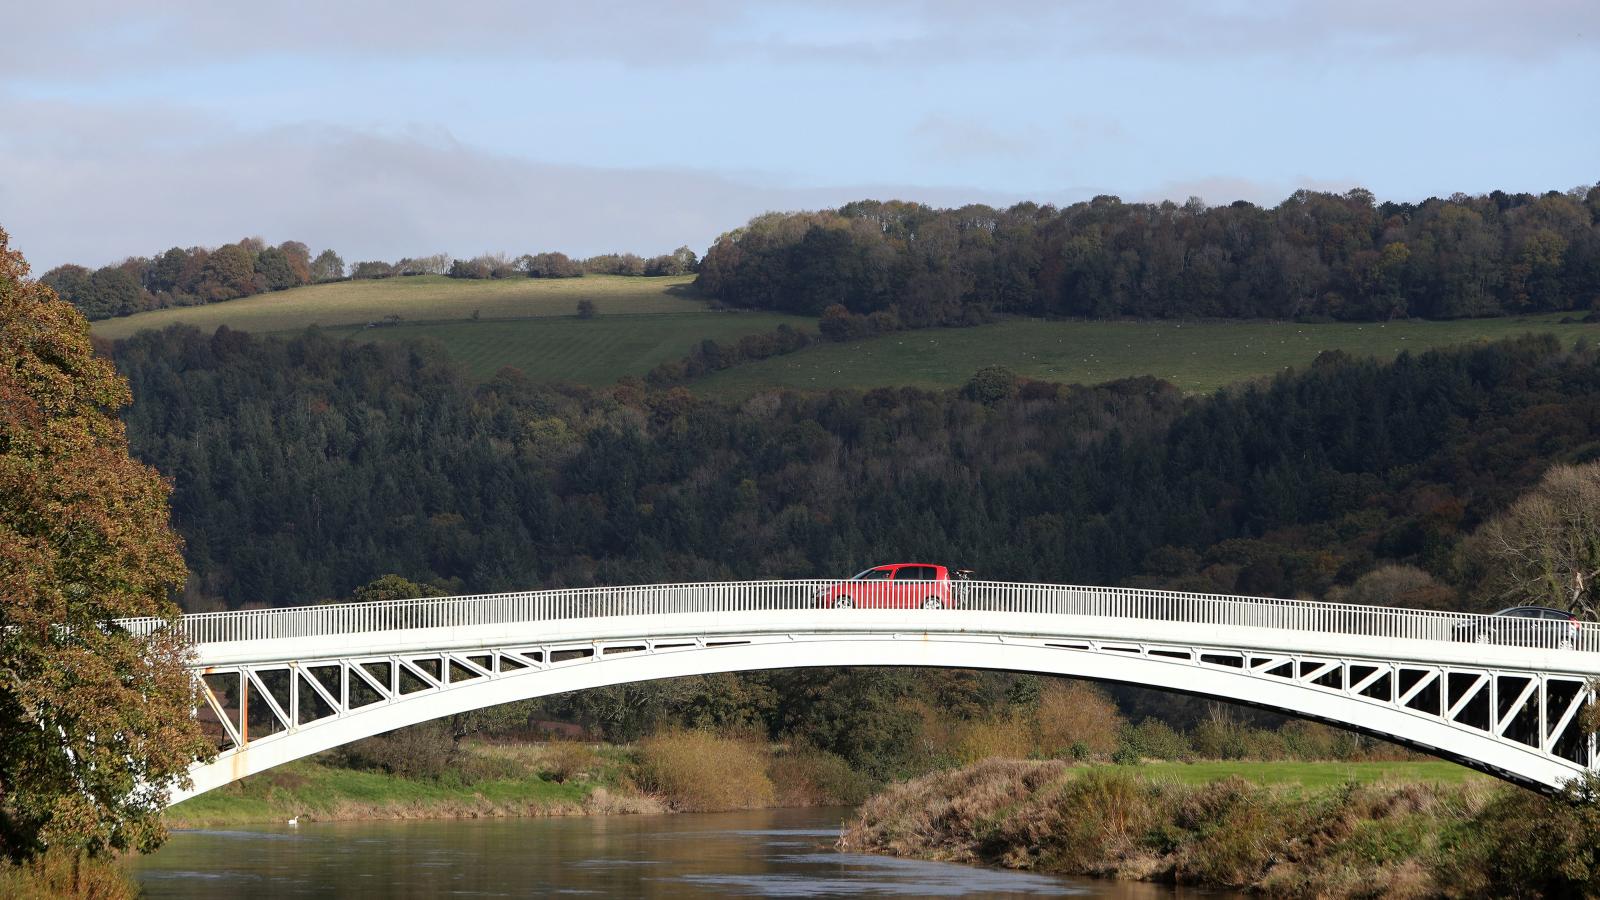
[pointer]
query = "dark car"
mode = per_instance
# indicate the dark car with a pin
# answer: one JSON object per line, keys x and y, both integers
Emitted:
{"x": 1525, "y": 626}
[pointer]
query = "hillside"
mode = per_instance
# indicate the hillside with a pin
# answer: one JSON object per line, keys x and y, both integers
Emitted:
{"x": 1195, "y": 356}
{"x": 423, "y": 298}
{"x": 595, "y": 351}
{"x": 524, "y": 322}
{"x": 531, "y": 324}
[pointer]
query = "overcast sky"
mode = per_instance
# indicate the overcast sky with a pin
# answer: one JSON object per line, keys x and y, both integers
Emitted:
{"x": 393, "y": 128}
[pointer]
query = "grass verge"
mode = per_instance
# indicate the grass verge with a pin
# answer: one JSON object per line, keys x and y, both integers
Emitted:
{"x": 524, "y": 783}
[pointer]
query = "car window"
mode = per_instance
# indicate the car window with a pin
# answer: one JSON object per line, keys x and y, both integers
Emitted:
{"x": 1557, "y": 614}
{"x": 914, "y": 573}
{"x": 876, "y": 574}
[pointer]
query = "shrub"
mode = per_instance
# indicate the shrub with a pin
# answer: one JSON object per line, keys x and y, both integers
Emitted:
{"x": 423, "y": 751}
{"x": 1126, "y": 756}
{"x": 1523, "y": 845}
{"x": 566, "y": 760}
{"x": 1097, "y": 816}
{"x": 806, "y": 776}
{"x": 586, "y": 309}
{"x": 1235, "y": 829}
{"x": 1220, "y": 736}
{"x": 991, "y": 385}
{"x": 55, "y": 875}
{"x": 700, "y": 771}
{"x": 1076, "y": 713}
{"x": 1155, "y": 739}
{"x": 1005, "y": 737}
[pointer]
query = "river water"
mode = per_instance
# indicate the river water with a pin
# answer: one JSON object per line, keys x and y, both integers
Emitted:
{"x": 763, "y": 853}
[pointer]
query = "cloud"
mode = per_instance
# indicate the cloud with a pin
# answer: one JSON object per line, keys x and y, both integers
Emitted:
{"x": 99, "y": 39}
{"x": 97, "y": 193}
{"x": 958, "y": 138}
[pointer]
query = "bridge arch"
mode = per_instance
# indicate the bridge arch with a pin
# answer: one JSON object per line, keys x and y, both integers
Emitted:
{"x": 1514, "y": 722}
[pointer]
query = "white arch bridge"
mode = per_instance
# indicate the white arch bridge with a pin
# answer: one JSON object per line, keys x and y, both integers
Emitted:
{"x": 281, "y": 684}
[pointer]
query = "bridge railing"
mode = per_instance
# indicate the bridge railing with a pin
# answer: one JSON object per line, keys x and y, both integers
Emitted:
{"x": 816, "y": 595}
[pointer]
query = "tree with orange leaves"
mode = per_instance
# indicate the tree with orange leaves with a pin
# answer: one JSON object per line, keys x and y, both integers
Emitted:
{"x": 95, "y": 721}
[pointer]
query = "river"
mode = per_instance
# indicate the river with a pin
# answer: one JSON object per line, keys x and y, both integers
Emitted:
{"x": 763, "y": 853}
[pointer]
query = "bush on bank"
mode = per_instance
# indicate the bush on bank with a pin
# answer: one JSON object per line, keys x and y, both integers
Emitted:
{"x": 1390, "y": 840}
{"x": 697, "y": 771}
{"x": 56, "y": 875}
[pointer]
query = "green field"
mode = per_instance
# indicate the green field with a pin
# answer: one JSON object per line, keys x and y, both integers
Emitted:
{"x": 594, "y": 351}
{"x": 1312, "y": 774}
{"x": 423, "y": 298}
{"x": 1196, "y": 356}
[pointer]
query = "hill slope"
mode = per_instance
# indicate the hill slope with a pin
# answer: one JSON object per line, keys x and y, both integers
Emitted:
{"x": 595, "y": 351}
{"x": 1195, "y": 356}
{"x": 424, "y": 298}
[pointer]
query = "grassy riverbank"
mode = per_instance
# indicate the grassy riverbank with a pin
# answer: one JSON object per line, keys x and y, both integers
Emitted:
{"x": 1393, "y": 837}
{"x": 669, "y": 772}
{"x": 316, "y": 790}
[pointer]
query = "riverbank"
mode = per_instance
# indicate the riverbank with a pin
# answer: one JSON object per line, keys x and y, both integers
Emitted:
{"x": 671, "y": 772}
{"x": 1455, "y": 836}
{"x": 675, "y": 772}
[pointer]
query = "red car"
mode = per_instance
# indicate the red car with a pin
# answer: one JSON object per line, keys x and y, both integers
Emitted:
{"x": 896, "y": 586}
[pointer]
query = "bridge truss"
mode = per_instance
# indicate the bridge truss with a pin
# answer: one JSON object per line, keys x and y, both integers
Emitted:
{"x": 282, "y": 684}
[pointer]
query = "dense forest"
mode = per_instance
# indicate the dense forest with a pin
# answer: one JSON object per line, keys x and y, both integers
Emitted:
{"x": 305, "y": 467}
{"x": 310, "y": 469}
{"x": 1315, "y": 255}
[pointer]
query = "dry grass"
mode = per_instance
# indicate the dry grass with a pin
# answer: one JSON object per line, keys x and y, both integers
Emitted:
{"x": 569, "y": 760}
{"x": 51, "y": 877}
{"x": 1350, "y": 840}
{"x": 602, "y": 802}
{"x": 941, "y": 815}
{"x": 700, "y": 771}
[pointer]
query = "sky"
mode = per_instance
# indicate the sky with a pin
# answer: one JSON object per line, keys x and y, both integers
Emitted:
{"x": 389, "y": 128}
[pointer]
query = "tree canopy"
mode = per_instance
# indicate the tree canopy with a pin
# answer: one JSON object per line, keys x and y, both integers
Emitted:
{"x": 1315, "y": 255}
{"x": 95, "y": 723}
{"x": 1544, "y": 549}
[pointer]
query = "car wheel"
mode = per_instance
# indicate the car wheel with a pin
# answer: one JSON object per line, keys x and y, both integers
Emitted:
{"x": 1566, "y": 644}
{"x": 845, "y": 602}
{"x": 933, "y": 603}
{"x": 1481, "y": 637}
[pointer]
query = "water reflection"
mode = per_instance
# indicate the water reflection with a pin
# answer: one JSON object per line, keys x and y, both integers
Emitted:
{"x": 765, "y": 853}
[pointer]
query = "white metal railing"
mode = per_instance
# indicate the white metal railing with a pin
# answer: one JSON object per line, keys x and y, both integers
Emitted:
{"x": 823, "y": 594}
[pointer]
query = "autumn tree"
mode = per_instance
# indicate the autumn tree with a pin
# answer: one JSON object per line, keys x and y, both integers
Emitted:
{"x": 1544, "y": 549}
{"x": 299, "y": 258}
{"x": 95, "y": 719}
